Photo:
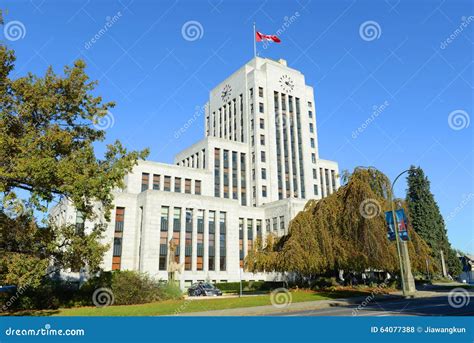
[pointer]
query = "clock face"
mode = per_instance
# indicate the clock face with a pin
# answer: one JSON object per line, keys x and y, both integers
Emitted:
{"x": 286, "y": 83}
{"x": 226, "y": 92}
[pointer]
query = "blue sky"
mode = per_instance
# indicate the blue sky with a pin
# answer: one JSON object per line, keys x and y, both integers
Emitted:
{"x": 408, "y": 61}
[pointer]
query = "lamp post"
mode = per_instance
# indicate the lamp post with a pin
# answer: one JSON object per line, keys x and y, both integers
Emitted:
{"x": 397, "y": 238}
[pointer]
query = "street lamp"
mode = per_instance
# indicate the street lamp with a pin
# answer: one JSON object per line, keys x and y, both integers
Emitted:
{"x": 397, "y": 238}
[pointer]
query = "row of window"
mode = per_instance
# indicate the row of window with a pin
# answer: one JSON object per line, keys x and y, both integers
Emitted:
{"x": 197, "y": 160}
{"x": 289, "y": 147}
{"x": 226, "y": 162}
{"x": 168, "y": 181}
{"x": 227, "y": 122}
{"x": 215, "y": 233}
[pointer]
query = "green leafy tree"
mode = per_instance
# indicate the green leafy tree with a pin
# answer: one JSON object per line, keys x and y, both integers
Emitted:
{"x": 48, "y": 128}
{"x": 427, "y": 220}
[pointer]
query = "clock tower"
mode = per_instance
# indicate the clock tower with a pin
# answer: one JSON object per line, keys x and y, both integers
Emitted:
{"x": 265, "y": 111}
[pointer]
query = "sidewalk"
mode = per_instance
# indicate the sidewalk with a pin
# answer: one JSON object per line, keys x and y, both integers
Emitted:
{"x": 305, "y": 306}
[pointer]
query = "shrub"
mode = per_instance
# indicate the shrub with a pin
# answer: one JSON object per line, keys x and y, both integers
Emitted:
{"x": 323, "y": 282}
{"x": 249, "y": 286}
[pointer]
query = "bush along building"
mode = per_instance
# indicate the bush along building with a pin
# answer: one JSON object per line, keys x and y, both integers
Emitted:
{"x": 255, "y": 169}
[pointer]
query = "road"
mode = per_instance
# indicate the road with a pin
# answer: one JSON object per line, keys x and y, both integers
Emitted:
{"x": 432, "y": 306}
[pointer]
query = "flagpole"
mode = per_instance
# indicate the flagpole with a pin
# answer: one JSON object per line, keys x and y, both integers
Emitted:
{"x": 254, "y": 42}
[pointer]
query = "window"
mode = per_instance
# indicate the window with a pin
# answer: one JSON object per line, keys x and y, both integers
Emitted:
{"x": 212, "y": 240}
{"x": 311, "y": 127}
{"x": 313, "y": 158}
{"x": 117, "y": 247}
{"x": 177, "y": 185}
{"x": 310, "y": 104}
{"x": 310, "y": 114}
{"x": 222, "y": 241}
{"x": 315, "y": 189}
{"x": 241, "y": 242}
{"x": 197, "y": 187}
{"x": 282, "y": 223}
{"x": 80, "y": 223}
{"x": 156, "y": 182}
{"x": 264, "y": 173}
{"x": 200, "y": 239}
{"x": 164, "y": 218}
{"x": 312, "y": 143}
{"x": 187, "y": 186}
{"x": 262, "y": 156}
{"x": 262, "y": 123}
{"x": 249, "y": 234}
{"x": 177, "y": 219}
{"x": 315, "y": 174}
{"x": 251, "y": 92}
{"x": 260, "y": 92}
{"x": 145, "y": 180}
{"x": 217, "y": 177}
{"x": 275, "y": 224}
{"x": 267, "y": 225}
{"x": 260, "y": 107}
{"x": 188, "y": 241}
{"x": 262, "y": 139}
{"x": 167, "y": 185}
{"x": 264, "y": 191}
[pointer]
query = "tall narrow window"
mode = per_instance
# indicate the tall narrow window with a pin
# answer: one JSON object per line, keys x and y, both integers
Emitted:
{"x": 156, "y": 182}
{"x": 260, "y": 92}
{"x": 80, "y": 223}
{"x": 145, "y": 180}
{"x": 167, "y": 185}
{"x": 200, "y": 239}
{"x": 241, "y": 242}
{"x": 212, "y": 240}
{"x": 177, "y": 231}
{"x": 243, "y": 185}
{"x": 217, "y": 174}
{"x": 234, "y": 175}
{"x": 118, "y": 236}
{"x": 177, "y": 184}
{"x": 260, "y": 107}
{"x": 197, "y": 187}
{"x": 163, "y": 238}
{"x": 187, "y": 186}
{"x": 249, "y": 234}
{"x": 223, "y": 241}
{"x": 226, "y": 173}
{"x": 188, "y": 244}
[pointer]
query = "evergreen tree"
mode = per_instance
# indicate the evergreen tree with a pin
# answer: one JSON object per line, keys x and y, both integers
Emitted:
{"x": 427, "y": 220}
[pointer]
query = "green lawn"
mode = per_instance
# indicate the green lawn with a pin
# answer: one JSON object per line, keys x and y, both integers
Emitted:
{"x": 172, "y": 307}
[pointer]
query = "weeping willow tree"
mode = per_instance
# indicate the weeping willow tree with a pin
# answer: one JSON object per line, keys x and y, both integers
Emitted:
{"x": 345, "y": 230}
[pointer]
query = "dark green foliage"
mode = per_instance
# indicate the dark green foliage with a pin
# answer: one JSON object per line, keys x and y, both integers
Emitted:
{"x": 427, "y": 220}
{"x": 249, "y": 286}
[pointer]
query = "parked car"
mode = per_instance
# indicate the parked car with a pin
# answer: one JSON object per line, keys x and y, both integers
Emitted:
{"x": 204, "y": 289}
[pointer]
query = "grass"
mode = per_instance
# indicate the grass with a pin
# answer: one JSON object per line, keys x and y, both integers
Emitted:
{"x": 172, "y": 307}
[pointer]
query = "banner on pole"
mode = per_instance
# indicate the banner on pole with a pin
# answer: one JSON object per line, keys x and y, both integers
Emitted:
{"x": 402, "y": 224}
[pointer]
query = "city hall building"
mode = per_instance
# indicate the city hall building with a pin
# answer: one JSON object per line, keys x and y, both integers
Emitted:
{"x": 254, "y": 170}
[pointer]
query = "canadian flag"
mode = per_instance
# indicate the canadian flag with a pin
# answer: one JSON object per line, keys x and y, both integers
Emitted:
{"x": 261, "y": 37}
